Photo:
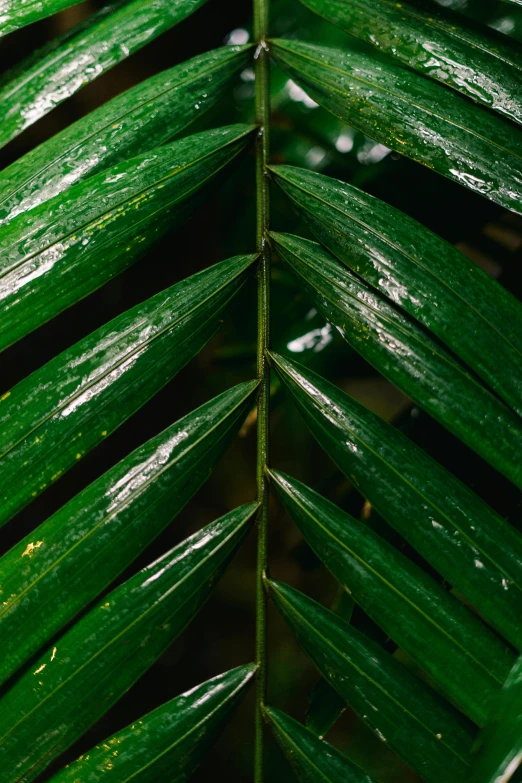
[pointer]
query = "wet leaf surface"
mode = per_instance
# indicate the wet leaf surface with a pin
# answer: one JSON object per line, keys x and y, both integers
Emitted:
{"x": 55, "y": 571}
{"x": 93, "y": 664}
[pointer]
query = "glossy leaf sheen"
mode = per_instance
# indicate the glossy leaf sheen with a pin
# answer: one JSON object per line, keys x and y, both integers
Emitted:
{"x": 451, "y": 527}
{"x": 312, "y": 759}
{"x": 140, "y": 119}
{"x": 18, "y": 13}
{"x": 168, "y": 743}
{"x": 325, "y": 706}
{"x": 412, "y": 115}
{"x": 500, "y": 743}
{"x": 419, "y": 272}
{"x": 65, "y": 562}
{"x": 66, "y": 248}
{"x": 407, "y": 355}
{"x": 476, "y": 63}
{"x": 429, "y": 735}
{"x": 466, "y": 659}
{"x": 51, "y": 75}
{"x": 92, "y": 665}
{"x": 60, "y": 412}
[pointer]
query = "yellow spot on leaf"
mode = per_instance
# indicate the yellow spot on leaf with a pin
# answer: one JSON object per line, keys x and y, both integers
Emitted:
{"x": 40, "y": 668}
{"x": 29, "y": 550}
{"x": 5, "y": 396}
{"x": 53, "y": 656}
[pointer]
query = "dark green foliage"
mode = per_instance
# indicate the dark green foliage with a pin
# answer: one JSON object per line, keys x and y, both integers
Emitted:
{"x": 421, "y": 645}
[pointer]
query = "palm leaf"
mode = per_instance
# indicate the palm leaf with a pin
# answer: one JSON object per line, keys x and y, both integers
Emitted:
{"x": 406, "y": 355}
{"x": 58, "y": 414}
{"x": 86, "y": 671}
{"x": 500, "y": 743}
{"x": 312, "y": 759}
{"x": 83, "y": 206}
{"x": 77, "y": 552}
{"x": 140, "y": 119}
{"x": 49, "y": 76}
{"x": 467, "y": 660}
{"x": 463, "y": 538}
{"x": 413, "y": 116}
{"x": 168, "y": 742}
{"x": 68, "y": 247}
{"x": 18, "y": 13}
{"x": 419, "y": 272}
{"x": 485, "y": 67}
{"x": 325, "y": 705}
{"x": 431, "y": 737}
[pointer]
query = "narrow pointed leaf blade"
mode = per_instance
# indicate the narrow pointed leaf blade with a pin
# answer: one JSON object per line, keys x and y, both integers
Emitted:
{"x": 69, "y": 246}
{"x": 431, "y": 737}
{"x": 325, "y": 706}
{"x": 140, "y": 119}
{"x": 55, "y": 416}
{"x": 419, "y": 272}
{"x": 407, "y": 355}
{"x": 312, "y": 759}
{"x": 412, "y": 115}
{"x": 46, "y": 78}
{"x": 451, "y": 527}
{"x": 500, "y": 742}
{"x": 18, "y": 13}
{"x": 467, "y": 660}
{"x": 62, "y": 565}
{"x": 168, "y": 743}
{"x": 93, "y": 664}
{"x": 473, "y": 60}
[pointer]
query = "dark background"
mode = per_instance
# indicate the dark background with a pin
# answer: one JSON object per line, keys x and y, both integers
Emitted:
{"x": 222, "y": 636}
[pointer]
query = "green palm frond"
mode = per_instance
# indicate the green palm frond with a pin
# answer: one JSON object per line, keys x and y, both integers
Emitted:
{"x": 326, "y": 104}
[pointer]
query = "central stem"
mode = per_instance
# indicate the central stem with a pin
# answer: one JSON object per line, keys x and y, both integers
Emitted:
{"x": 263, "y": 372}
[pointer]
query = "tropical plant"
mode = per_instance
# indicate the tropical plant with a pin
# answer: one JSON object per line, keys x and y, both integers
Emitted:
{"x": 430, "y": 565}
